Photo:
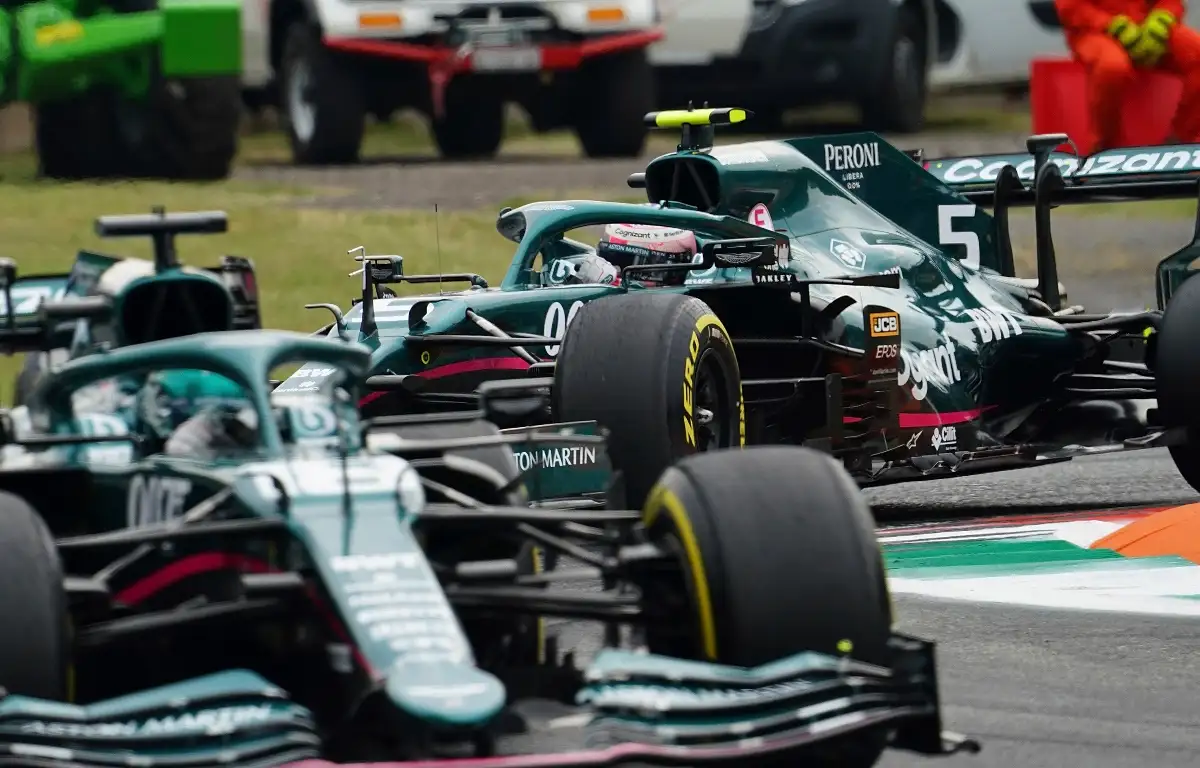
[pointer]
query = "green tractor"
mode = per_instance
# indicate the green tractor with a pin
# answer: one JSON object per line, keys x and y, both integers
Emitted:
{"x": 126, "y": 88}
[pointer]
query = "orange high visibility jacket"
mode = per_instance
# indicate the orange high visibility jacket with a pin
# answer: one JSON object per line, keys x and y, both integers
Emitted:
{"x": 1082, "y": 16}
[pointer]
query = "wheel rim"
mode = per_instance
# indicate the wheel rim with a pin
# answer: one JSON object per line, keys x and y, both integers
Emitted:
{"x": 301, "y": 112}
{"x": 710, "y": 404}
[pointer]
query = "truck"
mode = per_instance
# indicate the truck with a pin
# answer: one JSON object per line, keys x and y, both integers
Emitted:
{"x": 580, "y": 64}
{"x": 126, "y": 88}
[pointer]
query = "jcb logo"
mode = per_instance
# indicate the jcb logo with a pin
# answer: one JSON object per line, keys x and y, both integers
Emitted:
{"x": 885, "y": 324}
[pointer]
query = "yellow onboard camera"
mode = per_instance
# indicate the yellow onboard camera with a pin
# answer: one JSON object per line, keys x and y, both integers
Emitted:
{"x": 696, "y": 125}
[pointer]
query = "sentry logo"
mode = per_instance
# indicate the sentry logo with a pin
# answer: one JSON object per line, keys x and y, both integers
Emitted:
{"x": 884, "y": 324}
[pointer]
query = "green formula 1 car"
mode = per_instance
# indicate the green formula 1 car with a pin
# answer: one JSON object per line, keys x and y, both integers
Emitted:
{"x": 825, "y": 291}
{"x": 272, "y": 581}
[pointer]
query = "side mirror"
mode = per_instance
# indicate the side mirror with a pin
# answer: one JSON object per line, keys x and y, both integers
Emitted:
{"x": 388, "y": 269}
{"x": 743, "y": 252}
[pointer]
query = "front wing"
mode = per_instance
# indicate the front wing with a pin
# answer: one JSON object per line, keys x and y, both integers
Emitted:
{"x": 633, "y": 708}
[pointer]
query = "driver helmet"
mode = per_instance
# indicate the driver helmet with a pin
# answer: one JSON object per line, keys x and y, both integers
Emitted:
{"x": 640, "y": 244}
{"x": 169, "y": 398}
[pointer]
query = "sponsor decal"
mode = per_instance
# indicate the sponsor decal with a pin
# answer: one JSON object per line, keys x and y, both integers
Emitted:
{"x": 211, "y": 722}
{"x": 398, "y": 601}
{"x": 556, "y": 322}
{"x": 538, "y": 207}
{"x": 560, "y": 270}
{"x": 851, "y": 157}
{"x": 848, "y": 254}
{"x": 313, "y": 373}
{"x": 994, "y": 324}
{"x": 341, "y": 658}
{"x": 937, "y": 365}
{"x": 887, "y": 351}
{"x": 660, "y": 698}
{"x": 772, "y": 278}
{"x": 27, "y": 298}
{"x": 884, "y": 324}
{"x": 701, "y": 276}
{"x": 972, "y": 169}
{"x": 914, "y": 439}
{"x": 891, "y": 271}
{"x": 760, "y": 216}
{"x": 689, "y": 382}
{"x": 738, "y": 155}
{"x": 385, "y": 562}
{"x": 155, "y": 499}
{"x": 549, "y": 458}
{"x": 944, "y": 439}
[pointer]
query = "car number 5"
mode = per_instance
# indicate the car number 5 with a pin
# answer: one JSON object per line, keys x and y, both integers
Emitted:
{"x": 948, "y": 235}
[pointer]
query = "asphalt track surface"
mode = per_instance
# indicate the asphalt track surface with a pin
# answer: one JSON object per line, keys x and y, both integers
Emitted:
{"x": 1041, "y": 688}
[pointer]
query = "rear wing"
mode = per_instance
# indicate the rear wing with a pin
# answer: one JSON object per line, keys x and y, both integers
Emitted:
{"x": 1046, "y": 179}
{"x": 38, "y": 312}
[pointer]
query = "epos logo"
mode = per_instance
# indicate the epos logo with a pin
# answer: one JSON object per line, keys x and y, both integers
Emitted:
{"x": 884, "y": 324}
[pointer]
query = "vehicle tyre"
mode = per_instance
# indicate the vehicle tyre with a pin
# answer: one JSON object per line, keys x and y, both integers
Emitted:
{"x": 186, "y": 129}
{"x": 668, "y": 390}
{"x": 742, "y": 521}
{"x": 614, "y": 93}
{"x": 34, "y": 642}
{"x": 897, "y": 102}
{"x": 472, "y": 126}
{"x": 1177, "y": 374}
{"x": 324, "y": 107}
{"x": 504, "y": 640}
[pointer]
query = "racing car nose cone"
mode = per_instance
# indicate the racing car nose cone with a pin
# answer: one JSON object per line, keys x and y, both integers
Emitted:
{"x": 445, "y": 693}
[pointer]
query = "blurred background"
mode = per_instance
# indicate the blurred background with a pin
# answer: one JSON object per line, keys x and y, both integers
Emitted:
{"x": 321, "y": 125}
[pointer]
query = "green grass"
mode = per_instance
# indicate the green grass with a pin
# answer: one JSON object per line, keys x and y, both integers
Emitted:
{"x": 299, "y": 252}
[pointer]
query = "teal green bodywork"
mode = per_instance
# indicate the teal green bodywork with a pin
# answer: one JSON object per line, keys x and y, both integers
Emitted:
{"x": 972, "y": 351}
{"x": 63, "y": 49}
{"x": 351, "y": 516}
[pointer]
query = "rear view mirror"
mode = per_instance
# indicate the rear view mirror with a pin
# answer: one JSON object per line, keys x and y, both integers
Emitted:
{"x": 743, "y": 252}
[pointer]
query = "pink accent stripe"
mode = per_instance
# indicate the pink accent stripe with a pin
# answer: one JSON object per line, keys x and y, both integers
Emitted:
{"x": 207, "y": 562}
{"x": 917, "y": 420}
{"x": 475, "y": 365}
{"x": 630, "y": 753}
{"x": 370, "y": 397}
{"x": 186, "y": 568}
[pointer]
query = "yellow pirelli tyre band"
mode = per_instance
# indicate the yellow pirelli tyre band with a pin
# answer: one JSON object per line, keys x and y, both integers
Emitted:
{"x": 703, "y": 324}
{"x": 663, "y": 500}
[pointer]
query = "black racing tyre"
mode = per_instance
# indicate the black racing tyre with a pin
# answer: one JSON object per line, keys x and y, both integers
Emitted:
{"x": 186, "y": 129}
{"x": 779, "y": 557}
{"x": 668, "y": 388}
{"x": 1177, "y": 374}
{"x": 34, "y": 641}
{"x": 472, "y": 126}
{"x": 324, "y": 107}
{"x": 613, "y": 95}
{"x": 897, "y": 102}
{"x": 504, "y": 640}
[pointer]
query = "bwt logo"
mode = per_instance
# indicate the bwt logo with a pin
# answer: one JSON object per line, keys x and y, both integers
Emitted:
{"x": 885, "y": 324}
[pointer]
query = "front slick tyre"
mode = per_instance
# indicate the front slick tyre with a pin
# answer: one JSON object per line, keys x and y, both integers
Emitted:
{"x": 185, "y": 129}
{"x": 779, "y": 557}
{"x": 667, "y": 388}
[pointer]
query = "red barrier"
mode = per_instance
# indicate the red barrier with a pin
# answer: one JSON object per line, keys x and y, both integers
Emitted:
{"x": 1058, "y": 103}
